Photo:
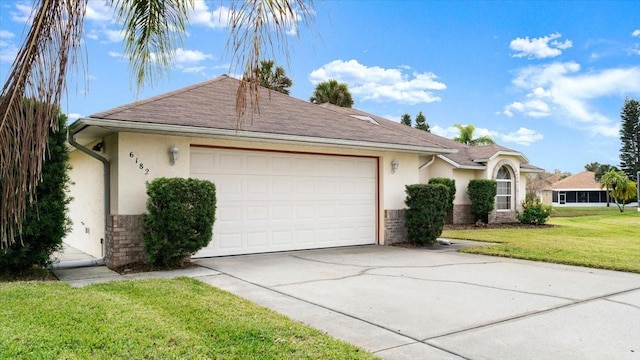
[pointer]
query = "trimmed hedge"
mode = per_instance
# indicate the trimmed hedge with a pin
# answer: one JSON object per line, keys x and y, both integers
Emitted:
{"x": 426, "y": 209}
{"x": 46, "y": 222}
{"x": 451, "y": 185}
{"x": 483, "y": 196}
{"x": 180, "y": 219}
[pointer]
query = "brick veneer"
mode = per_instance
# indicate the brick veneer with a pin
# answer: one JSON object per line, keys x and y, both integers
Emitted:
{"x": 462, "y": 214}
{"x": 394, "y": 229}
{"x": 497, "y": 217}
{"x": 123, "y": 242}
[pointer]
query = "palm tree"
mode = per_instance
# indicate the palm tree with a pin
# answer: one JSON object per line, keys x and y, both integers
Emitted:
{"x": 466, "y": 136}
{"x": 274, "y": 79}
{"x": 332, "y": 92}
{"x": 153, "y": 30}
{"x": 617, "y": 182}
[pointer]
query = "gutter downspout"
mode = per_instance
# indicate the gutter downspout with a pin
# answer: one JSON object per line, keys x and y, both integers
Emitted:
{"x": 107, "y": 207}
{"x": 427, "y": 164}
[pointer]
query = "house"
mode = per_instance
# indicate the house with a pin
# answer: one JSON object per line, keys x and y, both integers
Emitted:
{"x": 579, "y": 189}
{"x": 293, "y": 175}
{"x": 540, "y": 185}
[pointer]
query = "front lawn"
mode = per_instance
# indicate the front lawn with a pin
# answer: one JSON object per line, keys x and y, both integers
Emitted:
{"x": 151, "y": 319}
{"x": 609, "y": 241}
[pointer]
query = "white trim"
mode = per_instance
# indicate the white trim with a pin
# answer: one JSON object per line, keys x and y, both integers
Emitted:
{"x": 455, "y": 164}
{"x": 116, "y": 125}
{"x": 506, "y": 153}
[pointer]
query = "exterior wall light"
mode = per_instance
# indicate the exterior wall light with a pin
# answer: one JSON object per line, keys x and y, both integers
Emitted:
{"x": 394, "y": 166}
{"x": 173, "y": 154}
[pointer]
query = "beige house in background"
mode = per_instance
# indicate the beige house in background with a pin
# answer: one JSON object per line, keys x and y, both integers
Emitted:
{"x": 293, "y": 175}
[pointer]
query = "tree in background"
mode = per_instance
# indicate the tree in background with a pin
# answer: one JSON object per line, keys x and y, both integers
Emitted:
{"x": 599, "y": 169}
{"x": 405, "y": 119}
{"x": 274, "y": 79}
{"x": 618, "y": 183}
{"x": 332, "y": 92}
{"x": 421, "y": 122}
{"x": 153, "y": 30}
{"x": 630, "y": 138}
{"x": 466, "y": 136}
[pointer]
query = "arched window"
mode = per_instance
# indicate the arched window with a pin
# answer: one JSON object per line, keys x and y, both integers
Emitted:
{"x": 504, "y": 197}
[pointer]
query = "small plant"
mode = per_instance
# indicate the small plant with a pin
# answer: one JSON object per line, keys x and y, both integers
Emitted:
{"x": 482, "y": 194}
{"x": 180, "y": 219}
{"x": 534, "y": 212}
{"x": 424, "y": 218}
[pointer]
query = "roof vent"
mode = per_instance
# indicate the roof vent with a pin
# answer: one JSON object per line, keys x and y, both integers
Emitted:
{"x": 365, "y": 118}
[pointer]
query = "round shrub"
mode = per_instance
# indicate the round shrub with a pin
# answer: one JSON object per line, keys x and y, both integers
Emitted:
{"x": 534, "y": 212}
{"x": 483, "y": 196}
{"x": 180, "y": 218}
{"x": 426, "y": 209}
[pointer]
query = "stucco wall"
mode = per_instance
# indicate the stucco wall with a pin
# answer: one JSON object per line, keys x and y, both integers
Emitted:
{"x": 86, "y": 210}
{"x": 151, "y": 160}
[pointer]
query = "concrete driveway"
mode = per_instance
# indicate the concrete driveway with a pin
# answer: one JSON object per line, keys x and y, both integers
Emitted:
{"x": 423, "y": 304}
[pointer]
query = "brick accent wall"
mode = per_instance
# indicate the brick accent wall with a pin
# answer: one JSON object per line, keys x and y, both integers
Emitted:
{"x": 394, "y": 229}
{"x": 123, "y": 241}
{"x": 498, "y": 217}
{"x": 462, "y": 214}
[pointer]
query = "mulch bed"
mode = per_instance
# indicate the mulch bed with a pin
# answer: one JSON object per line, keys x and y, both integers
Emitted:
{"x": 144, "y": 267}
{"x": 28, "y": 275}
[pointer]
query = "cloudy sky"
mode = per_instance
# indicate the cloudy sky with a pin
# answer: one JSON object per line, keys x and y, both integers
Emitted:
{"x": 547, "y": 78}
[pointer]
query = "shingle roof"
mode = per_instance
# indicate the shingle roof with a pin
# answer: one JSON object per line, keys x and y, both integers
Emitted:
{"x": 584, "y": 180}
{"x": 211, "y": 104}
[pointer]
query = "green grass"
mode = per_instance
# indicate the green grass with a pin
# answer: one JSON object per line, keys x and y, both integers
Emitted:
{"x": 610, "y": 241}
{"x": 565, "y": 211}
{"x": 151, "y": 319}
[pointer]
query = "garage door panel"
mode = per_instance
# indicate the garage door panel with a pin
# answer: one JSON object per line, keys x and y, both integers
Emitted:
{"x": 275, "y": 202}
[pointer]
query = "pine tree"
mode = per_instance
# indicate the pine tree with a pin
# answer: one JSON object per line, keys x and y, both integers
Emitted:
{"x": 630, "y": 138}
{"x": 421, "y": 122}
{"x": 405, "y": 119}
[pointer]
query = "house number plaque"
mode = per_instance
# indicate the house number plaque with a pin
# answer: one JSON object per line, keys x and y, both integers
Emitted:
{"x": 139, "y": 163}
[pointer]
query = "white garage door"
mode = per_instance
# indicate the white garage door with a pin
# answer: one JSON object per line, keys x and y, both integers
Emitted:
{"x": 272, "y": 201}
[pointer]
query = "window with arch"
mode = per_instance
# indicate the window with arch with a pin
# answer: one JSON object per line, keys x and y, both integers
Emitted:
{"x": 504, "y": 197}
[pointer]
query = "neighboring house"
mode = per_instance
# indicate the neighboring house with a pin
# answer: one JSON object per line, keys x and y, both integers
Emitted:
{"x": 540, "y": 185}
{"x": 293, "y": 175}
{"x": 579, "y": 189}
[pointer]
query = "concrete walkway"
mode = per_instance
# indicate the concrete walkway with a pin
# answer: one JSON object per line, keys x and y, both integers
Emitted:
{"x": 433, "y": 304}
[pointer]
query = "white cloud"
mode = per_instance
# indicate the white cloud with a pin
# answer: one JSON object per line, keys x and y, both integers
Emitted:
{"x": 8, "y": 52}
{"x": 5, "y": 34}
{"x": 636, "y": 33}
{"x": 539, "y": 48}
{"x": 535, "y": 108}
{"x": 23, "y": 13}
{"x": 113, "y": 35}
{"x": 380, "y": 84}
{"x": 522, "y": 136}
{"x": 216, "y": 19}
{"x": 98, "y": 11}
{"x": 115, "y": 54}
{"x": 560, "y": 89}
{"x": 183, "y": 56}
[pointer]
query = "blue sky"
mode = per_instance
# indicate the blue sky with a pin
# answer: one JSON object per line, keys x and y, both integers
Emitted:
{"x": 547, "y": 78}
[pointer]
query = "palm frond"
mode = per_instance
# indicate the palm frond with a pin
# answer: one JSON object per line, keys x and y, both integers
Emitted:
{"x": 29, "y": 104}
{"x": 153, "y": 30}
{"x": 257, "y": 26}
